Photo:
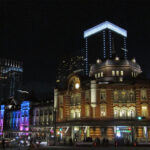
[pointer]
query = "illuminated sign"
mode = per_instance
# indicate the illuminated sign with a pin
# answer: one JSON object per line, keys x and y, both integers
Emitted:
{"x": 105, "y": 25}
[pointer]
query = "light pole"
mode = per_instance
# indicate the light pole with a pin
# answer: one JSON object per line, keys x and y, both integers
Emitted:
{"x": 132, "y": 128}
{"x": 54, "y": 123}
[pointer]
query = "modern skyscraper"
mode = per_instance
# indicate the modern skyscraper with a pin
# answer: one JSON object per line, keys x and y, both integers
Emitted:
{"x": 103, "y": 41}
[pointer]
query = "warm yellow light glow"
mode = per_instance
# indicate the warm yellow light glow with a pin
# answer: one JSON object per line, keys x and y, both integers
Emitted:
{"x": 77, "y": 85}
{"x": 121, "y": 72}
{"x": 117, "y": 72}
{"x": 113, "y": 73}
{"x": 116, "y": 58}
{"x": 98, "y": 61}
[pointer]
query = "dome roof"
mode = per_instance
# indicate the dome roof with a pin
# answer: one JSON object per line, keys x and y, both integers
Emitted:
{"x": 116, "y": 63}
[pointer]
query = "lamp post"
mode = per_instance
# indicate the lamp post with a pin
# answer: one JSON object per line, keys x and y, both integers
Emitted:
{"x": 132, "y": 128}
{"x": 54, "y": 123}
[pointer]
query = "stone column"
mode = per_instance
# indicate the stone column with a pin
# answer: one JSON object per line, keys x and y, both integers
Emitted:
{"x": 93, "y": 96}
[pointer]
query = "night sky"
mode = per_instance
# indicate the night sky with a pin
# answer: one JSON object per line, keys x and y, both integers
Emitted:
{"x": 38, "y": 32}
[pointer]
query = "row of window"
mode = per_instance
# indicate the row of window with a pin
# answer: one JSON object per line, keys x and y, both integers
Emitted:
{"x": 134, "y": 74}
{"x": 119, "y": 112}
{"x": 99, "y": 75}
{"x": 117, "y": 73}
{"x": 118, "y": 95}
{"x": 39, "y": 120}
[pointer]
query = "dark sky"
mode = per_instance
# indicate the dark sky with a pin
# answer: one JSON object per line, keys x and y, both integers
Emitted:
{"x": 38, "y": 32}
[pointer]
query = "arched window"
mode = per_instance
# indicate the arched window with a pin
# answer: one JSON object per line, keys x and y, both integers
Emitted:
{"x": 116, "y": 112}
{"x": 103, "y": 110}
{"x": 123, "y": 95}
{"x": 131, "y": 112}
{"x": 131, "y": 95}
{"x": 77, "y": 113}
{"x": 123, "y": 112}
{"x": 116, "y": 95}
{"x": 75, "y": 99}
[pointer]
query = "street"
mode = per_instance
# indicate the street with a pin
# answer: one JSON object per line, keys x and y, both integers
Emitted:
{"x": 80, "y": 148}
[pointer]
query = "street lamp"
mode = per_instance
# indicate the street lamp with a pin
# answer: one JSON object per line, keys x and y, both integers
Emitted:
{"x": 54, "y": 123}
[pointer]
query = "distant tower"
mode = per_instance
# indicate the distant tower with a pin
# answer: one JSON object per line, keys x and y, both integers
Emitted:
{"x": 10, "y": 78}
{"x": 106, "y": 31}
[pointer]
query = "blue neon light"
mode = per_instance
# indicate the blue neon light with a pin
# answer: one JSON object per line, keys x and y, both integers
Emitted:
{"x": 105, "y": 25}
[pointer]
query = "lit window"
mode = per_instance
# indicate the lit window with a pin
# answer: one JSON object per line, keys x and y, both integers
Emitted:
{"x": 121, "y": 72}
{"x": 95, "y": 75}
{"x": 143, "y": 94}
{"x": 103, "y": 95}
{"x": 75, "y": 99}
{"x": 61, "y": 113}
{"x": 87, "y": 110}
{"x": 77, "y": 114}
{"x": 117, "y": 73}
{"x": 102, "y": 74}
{"x": 123, "y": 112}
{"x": 132, "y": 74}
{"x": 131, "y": 112}
{"x": 113, "y": 73}
{"x": 60, "y": 99}
{"x": 116, "y": 96}
{"x": 116, "y": 112}
{"x": 121, "y": 79}
{"x": 144, "y": 111}
{"x": 131, "y": 96}
{"x": 99, "y": 75}
{"x": 123, "y": 95}
{"x": 72, "y": 114}
{"x": 103, "y": 110}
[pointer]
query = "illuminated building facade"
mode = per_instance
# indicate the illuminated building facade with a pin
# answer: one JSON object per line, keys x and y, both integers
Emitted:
{"x": 112, "y": 102}
{"x": 10, "y": 78}
{"x": 16, "y": 118}
{"x": 2, "y": 110}
{"x": 105, "y": 39}
{"x": 42, "y": 121}
{"x": 24, "y": 116}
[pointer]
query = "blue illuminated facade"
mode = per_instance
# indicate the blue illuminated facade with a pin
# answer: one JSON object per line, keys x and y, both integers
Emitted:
{"x": 24, "y": 116}
{"x": 2, "y": 110}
